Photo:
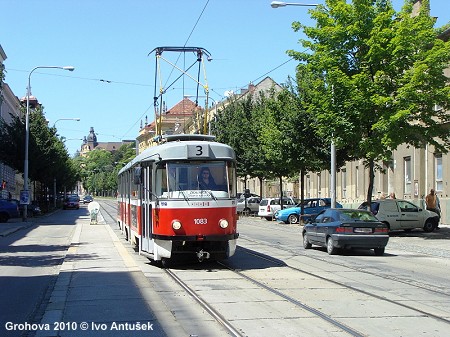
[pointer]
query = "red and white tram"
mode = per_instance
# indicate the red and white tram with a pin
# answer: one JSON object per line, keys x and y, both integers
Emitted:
{"x": 165, "y": 211}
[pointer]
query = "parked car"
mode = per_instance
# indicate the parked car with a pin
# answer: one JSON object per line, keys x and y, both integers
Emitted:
{"x": 71, "y": 202}
{"x": 402, "y": 214}
{"x": 269, "y": 206}
{"x": 32, "y": 209}
{"x": 87, "y": 199}
{"x": 76, "y": 196}
{"x": 344, "y": 228}
{"x": 8, "y": 210}
{"x": 312, "y": 206}
{"x": 251, "y": 207}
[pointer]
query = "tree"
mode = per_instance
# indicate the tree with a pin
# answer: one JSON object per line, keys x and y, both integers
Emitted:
{"x": 303, "y": 149}
{"x": 290, "y": 142}
{"x": 48, "y": 157}
{"x": 377, "y": 76}
{"x": 237, "y": 125}
{"x": 99, "y": 168}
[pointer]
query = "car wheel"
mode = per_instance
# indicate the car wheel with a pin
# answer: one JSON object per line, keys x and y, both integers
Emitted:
{"x": 3, "y": 218}
{"x": 379, "y": 251}
{"x": 331, "y": 249}
{"x": 268, "y": 218}
{"x": 429, "y": 226}
{"x": 246, "y": 211}
{"x": 306, "y": 243}
{"x": 293, "y": 218}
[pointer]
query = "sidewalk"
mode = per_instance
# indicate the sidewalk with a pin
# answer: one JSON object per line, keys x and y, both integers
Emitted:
{"x": 101, "y": 291}
{"x": 14, "y": 225}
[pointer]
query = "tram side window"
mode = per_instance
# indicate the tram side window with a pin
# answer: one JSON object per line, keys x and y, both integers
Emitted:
{"x": 231, "y": 174}
{"x": 161, "y": 181}
{"x": 127, "y": 185}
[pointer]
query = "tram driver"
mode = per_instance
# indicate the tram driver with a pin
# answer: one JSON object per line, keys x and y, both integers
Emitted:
{"x": 206, "y": 180}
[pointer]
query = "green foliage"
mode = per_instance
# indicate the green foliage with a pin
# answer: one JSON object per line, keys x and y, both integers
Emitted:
{"x": 99, "y": 168}
{"x": 237, "y": 125}
{"x": 47, "y": 156}
{"x": 375, "y": 77}
{"x": 272, "y": 134}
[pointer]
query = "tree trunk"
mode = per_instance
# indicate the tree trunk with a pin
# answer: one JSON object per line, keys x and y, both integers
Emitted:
{"x": 371, "y": 179}
{"x": 281, "y": 192}
{"x": 302, "y": 192}
{"x": 261, "y": 187}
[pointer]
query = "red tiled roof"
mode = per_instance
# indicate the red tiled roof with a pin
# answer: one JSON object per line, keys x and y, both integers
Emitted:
{"x": 184, "y": 107}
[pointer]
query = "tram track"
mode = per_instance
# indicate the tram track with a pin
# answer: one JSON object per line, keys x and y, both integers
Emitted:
{"x": 298, "y": 303}
{"x": 427, "y": 287}
{"x": 232, "y": 328}
{"x": 209, "y": 309}
{"x": 337, "y": 323}
{"x": 341, "y": 284}
{"x": 225, "y": 323}
{"x": 186, "y": 281}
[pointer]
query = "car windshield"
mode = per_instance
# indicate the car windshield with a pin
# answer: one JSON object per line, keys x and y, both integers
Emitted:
{"x": 356, "y": 215}
{"x": 195, "y": 179}
{"x": 72, "y": 199}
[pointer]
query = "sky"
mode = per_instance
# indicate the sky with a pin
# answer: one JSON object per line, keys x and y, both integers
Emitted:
{"x": 109, "y": 41}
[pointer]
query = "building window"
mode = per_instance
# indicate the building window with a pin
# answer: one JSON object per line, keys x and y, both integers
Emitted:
{"x": 407, "y": 175}
{"x": 438, "y": 172}
{"x": 344, "y": 183}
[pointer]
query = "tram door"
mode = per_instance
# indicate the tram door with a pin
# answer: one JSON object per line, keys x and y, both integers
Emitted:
{"x": 147, "y": 243}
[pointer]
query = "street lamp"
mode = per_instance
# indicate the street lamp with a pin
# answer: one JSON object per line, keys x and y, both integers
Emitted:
{"x": 276, "y": 4}
{"x": 24, "y": 198}
{"x": 66, "y": 119}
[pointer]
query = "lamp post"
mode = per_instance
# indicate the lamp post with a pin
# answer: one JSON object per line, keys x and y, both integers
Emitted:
{"x": 276, "y": 4}
{"x": 24, "y": 198}
{"x": 66, "y": 119}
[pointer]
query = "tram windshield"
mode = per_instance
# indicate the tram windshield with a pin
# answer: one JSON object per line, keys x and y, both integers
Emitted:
{"x": 195, "y": 179}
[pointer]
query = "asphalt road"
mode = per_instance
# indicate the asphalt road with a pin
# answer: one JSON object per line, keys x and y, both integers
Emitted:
{"x": 30, "y": 259}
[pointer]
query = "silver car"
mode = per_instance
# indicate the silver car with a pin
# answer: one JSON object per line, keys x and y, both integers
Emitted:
{"x": 269, "y": 206}
{"x": 251, "y": 207}
{"x": 402, "y": 214}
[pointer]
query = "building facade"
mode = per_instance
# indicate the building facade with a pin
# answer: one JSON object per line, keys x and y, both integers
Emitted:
{"x": 176, "y": 120}
{"x": 11, "y": 183}
{"x": 90, "y": 143}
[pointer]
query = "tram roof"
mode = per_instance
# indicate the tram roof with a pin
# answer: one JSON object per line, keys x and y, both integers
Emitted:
{"x": 175, "y": 147}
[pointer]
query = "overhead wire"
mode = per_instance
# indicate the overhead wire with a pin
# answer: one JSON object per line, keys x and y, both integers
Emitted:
{"x": 147, "y": 85}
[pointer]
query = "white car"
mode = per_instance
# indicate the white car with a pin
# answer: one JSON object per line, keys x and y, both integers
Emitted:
{"x": 251, "y": 207}
{"x": 402, "y": 214}
{"x": 269, "y": 206}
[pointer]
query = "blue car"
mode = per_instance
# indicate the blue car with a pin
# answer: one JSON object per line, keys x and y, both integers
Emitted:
{"x": 344, "y": 228}
{"x": 311, "y": 208}
{"x": 8, "y": 210}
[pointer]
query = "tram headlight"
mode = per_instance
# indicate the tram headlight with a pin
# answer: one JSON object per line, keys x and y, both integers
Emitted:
{"x": 176, "y": 224}
{"x": 223, "y": 223}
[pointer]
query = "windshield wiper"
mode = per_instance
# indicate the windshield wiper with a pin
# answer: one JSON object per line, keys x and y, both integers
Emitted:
{"x": 211, "y": 194}
{"x": 184, "y": 196}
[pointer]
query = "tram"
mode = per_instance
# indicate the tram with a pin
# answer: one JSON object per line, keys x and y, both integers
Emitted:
{"x": 165, "y": 208}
